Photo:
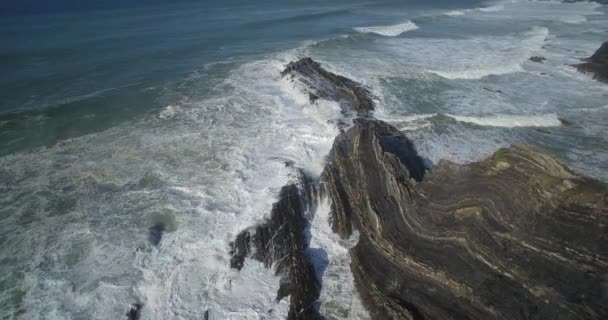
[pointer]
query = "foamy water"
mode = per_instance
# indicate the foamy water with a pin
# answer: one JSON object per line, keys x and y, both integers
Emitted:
{"x": 389, "y": 31}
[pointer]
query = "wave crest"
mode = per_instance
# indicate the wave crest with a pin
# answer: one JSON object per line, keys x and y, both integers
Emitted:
{"x": 389, "y": 31}
{"x": 510, "y": 58}
{"x": 420, "y": 121}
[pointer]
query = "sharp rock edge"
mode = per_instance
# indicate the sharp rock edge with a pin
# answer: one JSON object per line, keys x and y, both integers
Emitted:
{"x": 323, "y": 84}
{"x": 281, "y": 243}
{"x": 597, "y": 64}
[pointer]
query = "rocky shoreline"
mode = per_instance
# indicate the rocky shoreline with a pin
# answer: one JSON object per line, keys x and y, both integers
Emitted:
{"x": 516, "y": 236}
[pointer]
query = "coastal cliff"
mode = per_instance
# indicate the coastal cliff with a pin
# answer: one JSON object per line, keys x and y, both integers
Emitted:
{"x": 516, "y": 236}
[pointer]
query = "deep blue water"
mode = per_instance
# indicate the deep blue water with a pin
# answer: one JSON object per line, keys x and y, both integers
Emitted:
{"x": 91, "y": 66}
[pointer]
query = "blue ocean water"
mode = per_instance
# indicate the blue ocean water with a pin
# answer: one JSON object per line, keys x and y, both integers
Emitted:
{"x": 116, "y": 116}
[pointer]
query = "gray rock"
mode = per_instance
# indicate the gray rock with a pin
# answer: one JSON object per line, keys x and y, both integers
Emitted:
{"x": 327, "y": 85}
{"x": 597, "y": 64}
{"x": 537, "y": 59}
{"x": 516, "y": 236}
{"x": 282, "y": 241}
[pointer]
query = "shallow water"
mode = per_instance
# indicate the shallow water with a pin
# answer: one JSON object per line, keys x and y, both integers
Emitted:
{"x": 114, "y": 121}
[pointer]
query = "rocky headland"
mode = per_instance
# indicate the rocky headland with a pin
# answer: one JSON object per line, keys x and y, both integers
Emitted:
{"x": 516, "y": 236}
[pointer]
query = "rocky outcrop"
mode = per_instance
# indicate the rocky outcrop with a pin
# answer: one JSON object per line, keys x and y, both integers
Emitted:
{"x": 281, "y": 243}
{"x": 537, "y": 59}
{"x": 326, "y": 85}
{"x": 517, "y": 236}
{"x": 597, "y": 64}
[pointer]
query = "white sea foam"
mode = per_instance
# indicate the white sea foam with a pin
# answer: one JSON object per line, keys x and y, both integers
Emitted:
{"x": 573, "y": 13}
{"x": 494, "y": 8}
{"x": 339, "y": 298}
{"x": 169, "y": 112}
{"x": 389, "y": 31}
{"x": 215, "y": 170}
{"x": 419, "y": 121}
{"x": 455, "y": 13}
{"x": 512, "y": 121}
{"x": 496, "y": 56}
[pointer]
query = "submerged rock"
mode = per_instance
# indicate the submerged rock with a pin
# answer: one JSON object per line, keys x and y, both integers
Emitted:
{"x": 134, "y": 312}
{"x": 537, "y": 59}
{"x": 281, "y": 243}
{"x": 597, "y": 64}
{"x": 155, "y": 233}
{"x": 326, "y": 85}
{"x": 516, "y": 236}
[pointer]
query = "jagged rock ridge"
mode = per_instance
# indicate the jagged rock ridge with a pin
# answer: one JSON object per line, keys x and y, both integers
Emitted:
{"x": 281, "y": 240}
{"x": 516, "y": 236}
{"x": 326, "y": 85}
{"x": 281, "y": 243}
{"x": 597, "y": 64}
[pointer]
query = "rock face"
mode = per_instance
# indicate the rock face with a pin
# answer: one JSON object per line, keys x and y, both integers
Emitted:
{"x": 281, "y": 242}
{"x": 517, "y": 236}
{"x": 597, "y": 64}
{"x": 326, "y": 85}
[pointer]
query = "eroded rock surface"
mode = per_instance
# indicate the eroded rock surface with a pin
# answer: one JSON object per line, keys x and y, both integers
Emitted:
{"x": 326, "y": 85}
{"x": 281, "y": 243}
{"x": 517, "y": 236}
{"x": 597, "y": 64}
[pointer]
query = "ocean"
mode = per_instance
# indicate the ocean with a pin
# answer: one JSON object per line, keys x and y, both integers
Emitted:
{"x": 120, "y": 117}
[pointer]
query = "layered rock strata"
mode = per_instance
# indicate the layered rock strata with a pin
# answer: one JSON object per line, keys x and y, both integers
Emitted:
{"x": 516, "y": 236}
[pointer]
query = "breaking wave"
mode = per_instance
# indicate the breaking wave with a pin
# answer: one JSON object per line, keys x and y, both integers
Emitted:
{"x": 389, "y": 31}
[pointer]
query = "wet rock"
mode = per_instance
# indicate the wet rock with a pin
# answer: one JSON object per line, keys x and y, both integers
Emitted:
{"x": 537, "y": 59}
{"x": 516, "y": 236}
{"x": 155, "y": 233}
{"x": 281, "y": 243}
{"x": 326, "y": 85}
{"x": 135, "y": 312}
{"x": 597, "y": 64}
{"x": 565, "y": 122}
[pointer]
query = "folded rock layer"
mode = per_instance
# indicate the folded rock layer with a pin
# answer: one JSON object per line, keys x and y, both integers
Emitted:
{"x": 517, "y": 236}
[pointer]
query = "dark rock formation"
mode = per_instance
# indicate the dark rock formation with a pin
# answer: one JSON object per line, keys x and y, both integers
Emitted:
{"x": 517, "y": 236}
{"x": 281, "y": 242}
{"x": 537, "y": 59}
{"x": 326, "y": 85}
{"x": 155, "y": 233}
{"x": 597, "y": 64}
{"x": 135, "y": 312}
